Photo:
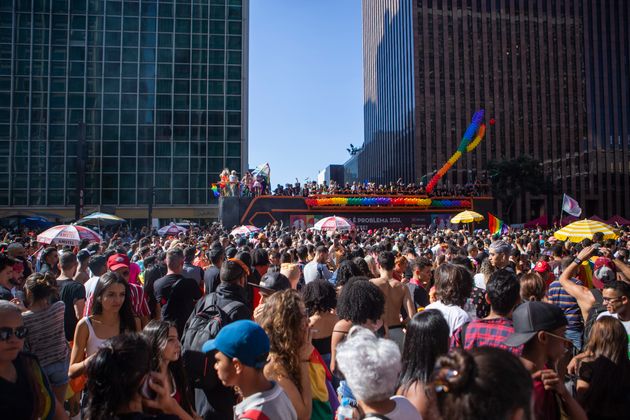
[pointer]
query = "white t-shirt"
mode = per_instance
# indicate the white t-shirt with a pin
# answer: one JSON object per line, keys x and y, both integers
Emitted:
{"x": 480, "y": 281}
{"x": 454, "y": 315}
{"x": 404, "y": 410}
{"x": 626, "y": 325}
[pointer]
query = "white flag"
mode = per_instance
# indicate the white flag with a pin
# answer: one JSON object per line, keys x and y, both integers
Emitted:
{"x": 571, "y": 206}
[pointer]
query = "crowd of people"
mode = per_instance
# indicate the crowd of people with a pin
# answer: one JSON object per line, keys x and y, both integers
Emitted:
{"x": 251, "y": 186}
{"x": 296, "y": 324}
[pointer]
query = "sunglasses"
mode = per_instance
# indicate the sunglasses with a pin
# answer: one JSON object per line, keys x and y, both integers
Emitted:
{"x": 8, "y": 332}
{"x": 568, "y": 343}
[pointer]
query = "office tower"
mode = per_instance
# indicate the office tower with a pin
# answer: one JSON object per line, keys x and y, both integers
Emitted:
{"x": 153, "y": 92}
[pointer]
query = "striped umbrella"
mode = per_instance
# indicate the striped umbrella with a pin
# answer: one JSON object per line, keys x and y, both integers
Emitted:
{"x": 100, "y": 219}
{"x": 68, "y": 235}
{"x": 245, "y": 230}
{"x": 584, "y": 229}
{"x": 467, "y": 216}
{"x": 171, "y": 229}
{"x": 334, "y": 224}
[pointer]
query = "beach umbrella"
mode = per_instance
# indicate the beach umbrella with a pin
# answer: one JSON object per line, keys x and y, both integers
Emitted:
{"x": 584, "y": 229}
{"x": 100, "y": 219}
{"x": 68, "y": 235}
{"x": 171, "y": 229}
{"x": 334, "y": 224}
{"x": 467, "y": 216}
{"x": 244, "y": 230}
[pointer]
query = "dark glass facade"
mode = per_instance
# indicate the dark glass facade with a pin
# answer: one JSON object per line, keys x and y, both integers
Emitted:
{"x": 161, "y": 87}
{"x": 553, "y": 75}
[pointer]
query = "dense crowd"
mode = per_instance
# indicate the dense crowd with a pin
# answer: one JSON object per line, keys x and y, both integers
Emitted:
{"x": 295, "y": 324}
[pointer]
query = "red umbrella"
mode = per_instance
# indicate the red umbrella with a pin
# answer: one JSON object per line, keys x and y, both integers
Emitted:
{"x": 334, "y": 224}
{"x": 68, "y": 235}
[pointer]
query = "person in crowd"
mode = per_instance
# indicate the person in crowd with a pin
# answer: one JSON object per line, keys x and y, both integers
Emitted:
{"x": 292, "y": 272}
{"x": 400, "y": 267}
{"x": 605, "y": 357}
{"x": 558, "y": 296}
{"x": 98, "y": 267}
{"x": 25, "y": 392}
{"x": 427, "y": 339}
{"x": 370, "y": 366}
{"x": 545, "y": 271}
{"x": 453, "y": 285}
{"x": 540, "y": 328}
{"x": 121, "y": 384}
{"x": 485, "y": 271}
{"x": 166, "y": 359}
{"x": 111, "y": 315}
{"x": 286, "y": 325}
{"x": 211, "y": 276}
{"x": 6, "y": 273}
{"x": 49, "y": 261}
{"x": 46, "y": 338}
{"x": 320, "y": 300}
{"x": 83, "y": 258}
{"x": 190, "y": 270}
{"x": 175, "y": 294}
{"x": 345, "y": 271}
{"x": 271, "y": 282}
{"x": 71, "y": 293}
{"x": 499, "y": 255}
{"x": 487, "y": 383}
{"x": 397, "y": 298}
{"x": 219, "y": 401}
{"x": 420, "y": 282}
{"x": 155, "y": 268}
{"x": 241, "y": 351}
{"x": 616, "y": 297}
{"x": 503, "y": 294}
{"x": 533, "y": 287}
{"x": 317, "y": 268}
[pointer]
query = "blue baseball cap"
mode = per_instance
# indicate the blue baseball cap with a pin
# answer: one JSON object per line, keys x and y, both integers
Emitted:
{"x": 244, "y": 340}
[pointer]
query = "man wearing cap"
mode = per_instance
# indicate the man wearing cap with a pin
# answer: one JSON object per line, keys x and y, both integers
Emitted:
{"x": 17, "y": 251}
{"x": 543, "y": 268}
{"x": 557, "y": 295}
{"x": 241, "y": 350}
{"x": 539, "y": 327}
{"x": 270, "y": 283}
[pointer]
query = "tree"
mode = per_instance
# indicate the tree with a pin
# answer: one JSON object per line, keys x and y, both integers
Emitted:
{"x": 514, "y": 178}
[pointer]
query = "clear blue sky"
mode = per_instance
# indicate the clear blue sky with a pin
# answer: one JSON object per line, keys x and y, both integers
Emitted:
{"x": 305, "y": 85}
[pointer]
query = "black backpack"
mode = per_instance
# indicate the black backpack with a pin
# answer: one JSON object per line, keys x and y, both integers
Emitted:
{"x": 593, "y": 313}
{"x": 204, "y": 324}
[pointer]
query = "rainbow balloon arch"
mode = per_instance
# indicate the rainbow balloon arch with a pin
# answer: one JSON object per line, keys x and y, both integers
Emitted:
{"x": 419, "y": 203}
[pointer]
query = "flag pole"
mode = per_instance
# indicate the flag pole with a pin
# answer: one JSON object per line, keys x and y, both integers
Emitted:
{"x": 561, "y": 210}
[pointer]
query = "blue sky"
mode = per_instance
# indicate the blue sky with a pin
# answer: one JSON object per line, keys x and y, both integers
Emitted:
{"x": 305, "y": 85}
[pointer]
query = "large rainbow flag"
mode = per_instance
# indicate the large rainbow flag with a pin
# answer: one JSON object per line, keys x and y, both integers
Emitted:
{"x": 496, "y": 225}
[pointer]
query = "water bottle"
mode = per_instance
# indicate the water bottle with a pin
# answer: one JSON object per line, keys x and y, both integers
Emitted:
{"x": 345, "y": 410}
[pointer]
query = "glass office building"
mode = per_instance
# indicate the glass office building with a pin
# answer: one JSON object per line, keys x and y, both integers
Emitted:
{"x": 153, "y": 91}
{"x": 554, "y": 75}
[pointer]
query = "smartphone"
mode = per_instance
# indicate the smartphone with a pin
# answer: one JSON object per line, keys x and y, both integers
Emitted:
{"x": 146, "y": 391}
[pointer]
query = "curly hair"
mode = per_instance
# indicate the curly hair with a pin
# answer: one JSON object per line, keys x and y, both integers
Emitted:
{"x": 319, "y": 296}
{"x": 284, "y": 321}
{"x": 360, "y": 301}
{"x": 453, "y": 284}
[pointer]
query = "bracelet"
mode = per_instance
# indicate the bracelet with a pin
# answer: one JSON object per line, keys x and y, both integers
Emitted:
{"x": 577, "y": 261}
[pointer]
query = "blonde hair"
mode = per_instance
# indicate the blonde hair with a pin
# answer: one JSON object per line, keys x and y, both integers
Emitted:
{"x": 291, "y": 271}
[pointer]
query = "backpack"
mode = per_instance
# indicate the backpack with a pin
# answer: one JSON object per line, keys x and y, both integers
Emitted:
{"x": 593, "y": 313}
{"x": 204, "y": 324}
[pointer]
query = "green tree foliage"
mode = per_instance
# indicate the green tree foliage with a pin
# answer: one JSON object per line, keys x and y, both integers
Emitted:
{"x": 514, "y": 178}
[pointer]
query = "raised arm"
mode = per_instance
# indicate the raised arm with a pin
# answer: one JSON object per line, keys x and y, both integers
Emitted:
{"x": 582, "y": 295}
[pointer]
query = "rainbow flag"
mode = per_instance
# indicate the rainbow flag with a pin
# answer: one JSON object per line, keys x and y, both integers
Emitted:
{"x": 215, "y": 190}
{"x": 496, "y": 225}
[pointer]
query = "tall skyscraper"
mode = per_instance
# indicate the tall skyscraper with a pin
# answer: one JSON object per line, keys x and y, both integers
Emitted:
{"x": 156, "y": 88}
{"x": 553, "y": 74}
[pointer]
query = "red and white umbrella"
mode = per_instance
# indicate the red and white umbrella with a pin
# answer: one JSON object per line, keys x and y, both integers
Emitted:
{"x": 334, "y": 224}
{"x": 245, "y": 230}
{"x": 68, "y": 235}
{"x": 171, "y": 229}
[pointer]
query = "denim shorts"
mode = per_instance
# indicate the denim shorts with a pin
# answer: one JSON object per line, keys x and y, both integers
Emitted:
{"x": 57, "y": 373}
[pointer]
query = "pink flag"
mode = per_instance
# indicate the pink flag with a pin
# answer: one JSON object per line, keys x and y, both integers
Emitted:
{"x": 571, "y": 206}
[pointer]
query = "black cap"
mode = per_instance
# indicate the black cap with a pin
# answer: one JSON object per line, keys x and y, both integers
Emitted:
{"x": 273, "y": 282}
{"x": 531, "y": 317}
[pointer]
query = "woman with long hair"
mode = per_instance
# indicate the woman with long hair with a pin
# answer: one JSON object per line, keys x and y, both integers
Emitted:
{"x": 427, "y": 339}
{"x": 286, "y": 324}
{"x": 120, "y": 383}
{"x": 46, "y": 338}
{"x": 320, "y": 299}
{"x": 111, "y": 315}
{"x": 166, "y": 351}
{"x": 605, "y": 357}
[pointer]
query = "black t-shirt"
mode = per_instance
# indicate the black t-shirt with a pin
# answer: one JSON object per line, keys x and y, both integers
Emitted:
{"x": 419, "y": 295}
{"x": 5, "y": 294}
{"x": 16, "y": 398}
{"x": 177, "y": 295}
{"x": 211, "y": 279}
{"x": 70, "y": 291}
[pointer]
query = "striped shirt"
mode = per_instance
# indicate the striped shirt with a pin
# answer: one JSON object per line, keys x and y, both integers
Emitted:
{"x": 46, "y": 338}
{"x": 559, "y": 297}
{"x": 139, "y": 303}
